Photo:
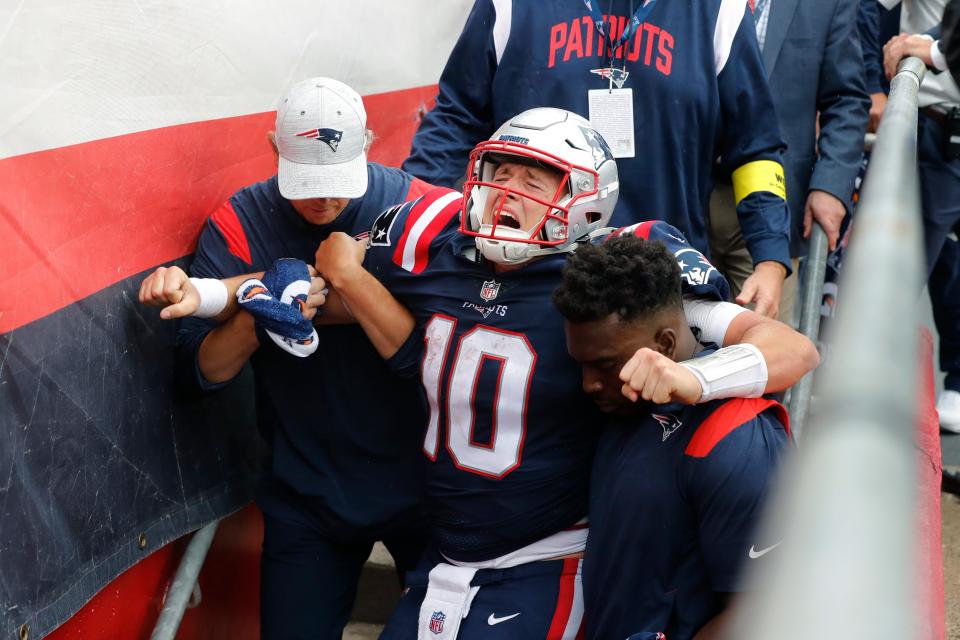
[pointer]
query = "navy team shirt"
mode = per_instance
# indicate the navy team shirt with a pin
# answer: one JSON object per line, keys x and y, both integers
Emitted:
{"x": 510, "y": 433}
{"x": 358, "y": 457}
{"x": 699, "y": 92}
{"x": 675, "y": 497}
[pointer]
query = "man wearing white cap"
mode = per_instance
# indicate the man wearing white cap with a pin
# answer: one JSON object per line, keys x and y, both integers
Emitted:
{"x": 345, "y": 467}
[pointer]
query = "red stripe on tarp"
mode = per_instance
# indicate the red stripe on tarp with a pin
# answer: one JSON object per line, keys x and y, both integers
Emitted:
{"x": 928, "y": 552}
{"x": 77, "y": 219}
{"x": 128, "y": 606}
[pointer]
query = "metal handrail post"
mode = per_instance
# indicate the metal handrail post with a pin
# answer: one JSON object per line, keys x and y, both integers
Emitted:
{"x": 183, "y": 582}
{"x": 843, "y": 507}
{"x": 816, "y": 271}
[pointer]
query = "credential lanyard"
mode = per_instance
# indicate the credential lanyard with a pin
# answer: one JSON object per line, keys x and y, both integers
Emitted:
{"x": 758, "y": 10}
{"x": 639, "y": 17}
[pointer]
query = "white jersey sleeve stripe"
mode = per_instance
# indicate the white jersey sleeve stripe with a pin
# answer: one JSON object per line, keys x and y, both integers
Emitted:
{"x": 728, "y": 22}
{"x": 501, "y": 27}
{"x": 434, "y": 210}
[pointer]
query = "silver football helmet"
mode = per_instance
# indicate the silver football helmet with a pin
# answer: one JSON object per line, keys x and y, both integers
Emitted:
{"x": 552, "y": 142}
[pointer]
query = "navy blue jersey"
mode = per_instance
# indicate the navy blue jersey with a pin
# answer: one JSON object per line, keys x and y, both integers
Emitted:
{"x": 699, "y": 93}
{"x": 675, "y": 497}
{"x": 510, "y": 433}
{"x": 329, "y": 440}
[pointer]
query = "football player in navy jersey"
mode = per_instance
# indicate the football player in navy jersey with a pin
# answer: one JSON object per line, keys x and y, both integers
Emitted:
{"x": 339, "y": 481}
{"x": 456, "y": 290}
{"x": 510, "y": 436}
{"x": 671, "y": 84}
{"x": 676, "y": 489}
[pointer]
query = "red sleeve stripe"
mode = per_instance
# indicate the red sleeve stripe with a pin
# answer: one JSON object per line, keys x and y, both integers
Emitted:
{"x": 726, "y": 418}
{"x": 427, "y": 218}
{"x": 226, "y": 220}
{"x": 416, "y": 210}
{"x": 568, "y": 616}
{"x": 417, "y": 188}
{"x": 642, "y": 230}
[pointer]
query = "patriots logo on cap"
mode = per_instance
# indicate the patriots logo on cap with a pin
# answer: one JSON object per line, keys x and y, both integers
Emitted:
{"x": 669, "y": 422}
{"x": 330, "y": 136}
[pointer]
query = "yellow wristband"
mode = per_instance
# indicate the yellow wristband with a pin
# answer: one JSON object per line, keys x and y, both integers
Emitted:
{"x": 762, "y": 175}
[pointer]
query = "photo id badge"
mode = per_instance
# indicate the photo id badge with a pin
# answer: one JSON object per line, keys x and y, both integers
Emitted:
{"x": 611, "y": 114}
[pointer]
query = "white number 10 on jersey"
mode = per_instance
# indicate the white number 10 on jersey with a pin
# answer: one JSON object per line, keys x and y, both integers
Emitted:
{"x": 517, "y": 360}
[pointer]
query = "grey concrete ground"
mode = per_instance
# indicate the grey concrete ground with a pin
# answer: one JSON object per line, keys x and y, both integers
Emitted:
{"x": 362, "y": 631}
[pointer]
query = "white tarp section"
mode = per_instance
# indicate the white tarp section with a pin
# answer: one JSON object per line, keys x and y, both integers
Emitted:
{"x": 78, "y": 70}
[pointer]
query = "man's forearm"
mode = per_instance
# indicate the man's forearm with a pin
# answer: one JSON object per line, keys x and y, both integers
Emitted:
{"x": 233, "y": 285}
{"x": 228, "y": 347}
{"x": 386, "y": 322}
{"x": 789, "y": 355}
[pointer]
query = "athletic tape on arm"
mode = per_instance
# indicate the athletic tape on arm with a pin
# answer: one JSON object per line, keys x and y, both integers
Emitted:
{"x": 737, "y": 371}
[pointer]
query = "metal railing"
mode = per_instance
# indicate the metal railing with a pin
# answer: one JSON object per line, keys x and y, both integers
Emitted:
{"x": 844, "y": 507}
{"x": 178, "y": 595}
{"x": 816, "y": 271}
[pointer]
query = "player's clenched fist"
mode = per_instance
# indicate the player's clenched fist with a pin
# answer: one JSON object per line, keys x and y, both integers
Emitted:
{"x": 170, "y": 288}
{"x": 339, "y": 257}
{"x": 656, "y": 378}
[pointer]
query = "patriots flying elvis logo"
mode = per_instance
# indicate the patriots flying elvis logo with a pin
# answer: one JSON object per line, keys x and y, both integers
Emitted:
{"x": 330, "y": 136}
{"x": 618, "y": 76}
{"x": 669, "y": 422}
{"x": 694, "y": 268}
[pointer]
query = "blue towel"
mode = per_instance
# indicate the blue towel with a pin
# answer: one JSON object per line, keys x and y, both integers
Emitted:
{"x": 276, "y": 303}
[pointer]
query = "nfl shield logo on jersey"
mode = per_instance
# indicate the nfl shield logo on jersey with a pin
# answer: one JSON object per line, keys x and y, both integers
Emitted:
{"x": 436, "y": 622}
{"x": 489, "y": 290}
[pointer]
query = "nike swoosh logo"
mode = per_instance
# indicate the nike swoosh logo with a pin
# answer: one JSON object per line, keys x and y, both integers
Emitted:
{"x": 492, "y": 620}
{"x": 754, "y": 554}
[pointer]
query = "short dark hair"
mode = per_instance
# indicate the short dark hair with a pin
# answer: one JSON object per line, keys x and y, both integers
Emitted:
{"x": 626, "y": 275}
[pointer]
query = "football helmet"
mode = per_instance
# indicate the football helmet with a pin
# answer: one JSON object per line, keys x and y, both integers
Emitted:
{"x": 554, "y": 141}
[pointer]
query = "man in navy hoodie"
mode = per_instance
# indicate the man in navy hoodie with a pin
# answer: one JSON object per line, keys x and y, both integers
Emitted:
{"x": 345, "y": 466}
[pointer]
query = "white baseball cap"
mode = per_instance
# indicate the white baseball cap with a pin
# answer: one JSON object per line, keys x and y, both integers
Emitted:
{"x": 321, "y": 134}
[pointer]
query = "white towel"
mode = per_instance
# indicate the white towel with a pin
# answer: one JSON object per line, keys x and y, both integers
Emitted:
{"x": 447, "y": 602}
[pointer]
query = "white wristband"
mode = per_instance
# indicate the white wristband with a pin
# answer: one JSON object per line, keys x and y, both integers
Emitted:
{"x": 213, "y": 297}
{"x": 737, "y": 371}
{"x": 710, "y": 317}
{"x": 936, "y": 56}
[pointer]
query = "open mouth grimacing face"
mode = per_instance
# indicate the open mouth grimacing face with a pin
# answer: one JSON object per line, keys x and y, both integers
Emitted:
{"x": 516, "y": 211}
{"x": 508, "y": 220}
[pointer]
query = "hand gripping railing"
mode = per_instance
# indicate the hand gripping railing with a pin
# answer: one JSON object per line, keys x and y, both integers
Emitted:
{"x": 844, "y": 506}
